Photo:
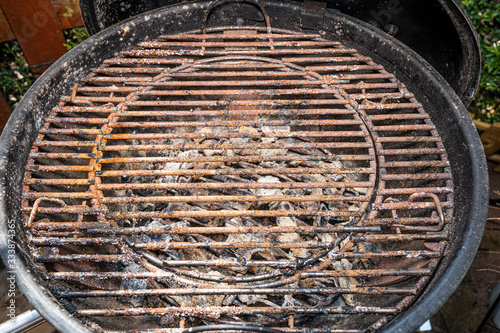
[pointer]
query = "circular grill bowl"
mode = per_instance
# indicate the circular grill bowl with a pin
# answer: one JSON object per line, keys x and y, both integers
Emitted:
{"x": 438, "y": 98}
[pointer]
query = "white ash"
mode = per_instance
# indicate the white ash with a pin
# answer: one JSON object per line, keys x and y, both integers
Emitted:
{"x": 134, "y": 284}
{"x": 268, "y": 192}
{"x": 345, "y": 282}
{"x": 161, "y": 238}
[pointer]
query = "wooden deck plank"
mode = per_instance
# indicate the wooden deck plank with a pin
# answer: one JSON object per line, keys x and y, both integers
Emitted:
{"x": 37, "y": 30}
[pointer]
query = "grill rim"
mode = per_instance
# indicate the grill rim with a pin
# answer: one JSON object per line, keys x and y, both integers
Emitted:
{"x": 24, "y": 124}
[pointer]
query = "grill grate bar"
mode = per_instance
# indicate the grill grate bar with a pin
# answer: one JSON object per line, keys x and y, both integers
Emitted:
{"x": 219, "y": 103}
{"x": 411, "y": 205}
{"x": 234, "y": 103}
{"x": 240, "y": 245}
{"x": 55, "y": 241}
{"x": 225, "y": 172}
{"x": 407, "y": 139}
{"x": 212, "y": 53}
{"x": 160, "y": 275}
{"x": 371, "y": 96}
{"x": 147, "y": 79}
{"x": 265, "y": 92}
{"x": 315, "y": 60}
{"x": 223, "y": 159}
{"x": 60, "y": 168}
{"x": 81, "y": 109}
{"x": 86, "y": 120}
{"x": 418, "y": 151}
{"x": 69, "y": 225}
{"x": 421, "y": 176}
{"x": 195, "y": 214}
{"x": 305, "y": 245}
{"x": 225, "y": 230}
{"x": 214, "y": 198}
{"x": 259, "y": 112}
{"x": 403, "y": 221}
{"x": 75, "y": 131}
{"x": 218, "y": 186}
{"x": 235, "y": 123}
{"x": 233, "y": 311}
{"x": 58, "y": 181}
{"x": 274, "y": 36}
{"x": 62, "y": 195}
{"x": 398, "y": 117}
{"x": 218, "y": 135}
{"x": 67, "y": 209}
{"x": 222, "y": 213}
{"x": 66, "y": 143}
{"x": 399, "y": 238}
{"x": 342, "y": 68}
{"x": 398, "y": 191}
{"x": 237, "y": 291}
{"x": 231, "y": 263}
{"x": 63, "y": 156}
{"x": 227, "y": 44}
{"x": 167, "y": 147}
{"x": 404, "y": 128}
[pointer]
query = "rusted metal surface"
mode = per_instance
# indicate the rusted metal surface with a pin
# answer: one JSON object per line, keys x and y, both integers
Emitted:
{"x": 238, "y": 176}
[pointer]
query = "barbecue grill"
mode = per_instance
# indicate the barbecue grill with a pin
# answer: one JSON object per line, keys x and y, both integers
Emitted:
{"x": 190, "y": 169}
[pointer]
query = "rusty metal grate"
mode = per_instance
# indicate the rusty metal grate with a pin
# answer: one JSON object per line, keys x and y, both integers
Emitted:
{"x": 239, "y": 177}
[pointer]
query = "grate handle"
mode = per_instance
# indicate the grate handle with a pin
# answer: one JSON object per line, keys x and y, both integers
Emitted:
{"x": 220, "y": 2}
{"x": 37, "y": 203}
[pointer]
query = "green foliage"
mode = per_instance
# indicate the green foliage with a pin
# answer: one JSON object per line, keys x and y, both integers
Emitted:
{"x": 69, "y": 6}
{"x": 74, "y": 37}
{"x": 15, "y": 76}
{"x": 486, "y": 17}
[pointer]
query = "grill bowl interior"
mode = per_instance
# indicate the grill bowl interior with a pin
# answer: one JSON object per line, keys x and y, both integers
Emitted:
{"x": 448, "y": 114}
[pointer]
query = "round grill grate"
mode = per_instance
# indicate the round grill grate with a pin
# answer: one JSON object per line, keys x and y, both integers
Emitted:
{"x": 238, "y": 177}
